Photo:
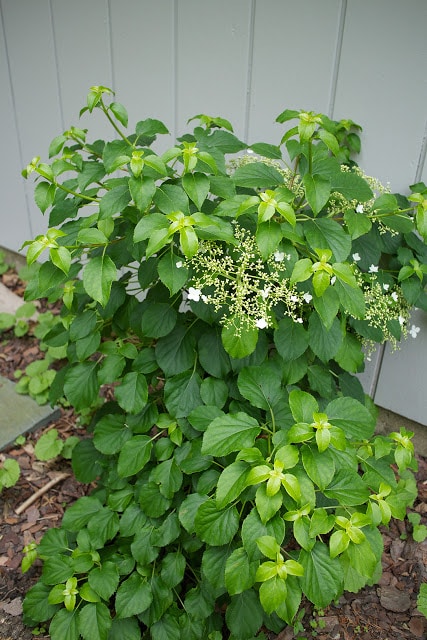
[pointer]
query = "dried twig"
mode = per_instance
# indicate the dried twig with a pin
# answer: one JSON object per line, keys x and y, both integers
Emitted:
{"x": 41, "y": 492}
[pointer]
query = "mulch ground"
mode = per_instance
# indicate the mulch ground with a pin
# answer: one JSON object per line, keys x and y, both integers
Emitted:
{"x": 386, "y": 611}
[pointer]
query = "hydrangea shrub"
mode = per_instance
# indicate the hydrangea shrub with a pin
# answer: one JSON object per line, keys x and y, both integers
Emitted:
{"x": 218, "y": 300}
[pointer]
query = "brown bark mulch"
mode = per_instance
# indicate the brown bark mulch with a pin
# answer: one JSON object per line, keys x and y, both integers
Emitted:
{"x": 386, "y": 611}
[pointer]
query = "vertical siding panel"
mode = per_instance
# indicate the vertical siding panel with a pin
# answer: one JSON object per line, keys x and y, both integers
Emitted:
{"x": 82, "y": 47}
{"x": 212, "y": 60}
{"x": 32, "y": 66}
{"x": 143, "y": 57}
{"x": 14, "y": 221}
{"x": 402, "y": 382}
{"x": 382, "y": 84}
{"x": 294, "y": 49}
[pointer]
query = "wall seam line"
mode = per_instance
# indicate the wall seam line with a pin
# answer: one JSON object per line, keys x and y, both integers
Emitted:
{"x": 110, "y": 44}
{"x": 422, "y": 156}
{"x": 337, "y": 58}
{"x": 175, "y": 68}
{"x": 250, "y": 70}
{"x": 55, "y": 57}
{"x": 15, "y": 119}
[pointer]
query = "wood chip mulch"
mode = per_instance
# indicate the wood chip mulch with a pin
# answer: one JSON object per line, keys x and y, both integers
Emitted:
{"x": 386, "y": 611}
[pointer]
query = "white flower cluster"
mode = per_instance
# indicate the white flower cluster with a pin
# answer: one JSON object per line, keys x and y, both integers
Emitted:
{"x": 241, "y": 285}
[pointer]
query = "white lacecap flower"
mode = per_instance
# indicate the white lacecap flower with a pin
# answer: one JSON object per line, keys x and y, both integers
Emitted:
{"x": 179, "y": 264}
{"x": 307, "y": 297}
{"x": 204, "y": 298}
{"x": 373, "y": 268}
{"x": 356, "y": 257}
{"x": 395, "y": 296}
{"x": 333, "y": 279}
{"x": 294, "y": 298}
{"x": 359, "y": 208}
{"x": 261, "y": 323}
{"x": 401, "y": 321}
{"x": 249, "y": 151}
{"x": 414, "y": 331}
{"x": 264, "y": 293}
{"x": 299, "y": 320}
{"x": 386, "y": 287}
{"x": 279, "y": 256}
{"x": 194, "y": 294}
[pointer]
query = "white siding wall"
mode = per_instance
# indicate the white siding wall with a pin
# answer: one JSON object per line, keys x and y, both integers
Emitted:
{"x": 246, "y": 60}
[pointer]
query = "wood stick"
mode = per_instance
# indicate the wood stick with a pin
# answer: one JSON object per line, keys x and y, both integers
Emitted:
{"x": 41, "y": 492}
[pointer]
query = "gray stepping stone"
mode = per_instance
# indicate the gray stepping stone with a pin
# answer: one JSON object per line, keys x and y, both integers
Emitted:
{"x": 20, "y": 414}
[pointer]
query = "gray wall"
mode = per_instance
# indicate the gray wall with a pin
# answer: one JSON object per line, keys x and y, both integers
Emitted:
{"x": 246, "y": 60}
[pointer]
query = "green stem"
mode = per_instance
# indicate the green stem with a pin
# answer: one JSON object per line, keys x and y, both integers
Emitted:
{"x": 113, "y": 124}
{"x": 74, "y": 193}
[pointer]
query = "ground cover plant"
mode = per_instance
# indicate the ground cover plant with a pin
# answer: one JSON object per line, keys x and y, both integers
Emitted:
{"x": 218, "y": 300}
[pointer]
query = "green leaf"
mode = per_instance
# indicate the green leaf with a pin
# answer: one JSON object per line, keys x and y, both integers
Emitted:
{"x": 158, "y": 319}
{"x": 229, "y": 433}
{"x": 244, "y": 615}
{"x": 317, "y": 191}
{"x": 267, "y": 506}
{"x": 257, "y": 174}
{"x": 302, "y": 405}
{"x": 320, "y": 467}
{"x": 125, "y": 629}
{"x": 358, "y": 224}
{"x": 188, "y": 241}
{"x": 272, "y": 593}
{"x": 170, "y": 198}
{"x": 182, "y": 394}
{"x": 150, "y": 224}
{"x": 323, "y": 576}
{"x": 172, "y": 272}
{"x": 44, "y": 195}
{"x": 350, "y": 355}
{"x": 173, "y": 569}
{"x": 103, "y": 526}
{"x": 132, "y": 393}
{"x": 291, "y": 339}
{"x": 134, "y": 455}
{"x": 421, "y": 222}
{"x": 239, "y": 572}
{"x": 104, "y": 579}
{"x": 175, "y": 352}
{"x": 142, "y": 190}
{"x": 325, "y": 233}
{"x": 98, "y": 276}
{"x": 150, "y": 127}
{"x": 216, "y": 526}
{"x": 239, "y": 341}
{"x": 351, "y": 416}
{"x": 94, "y": 621}
{"x": 351, "y": 186}
{"x": 231, "y": 483}
{"x": 348, "y": 488}
{"x": 196, "y": 186}
{"x": 253, "y": 529}
{"x": 268, "y": 237}
{"x": 120, "y": 112}
{"x": 64, "y": 626}
{"x": 325, "y": 343}
{"x": 111, "y": 433}
{"x": 422, "y": 599}
{"x": 81, "y": 385}
{"x": 212, "y": 355}
{"x": 133, "y": 596}
{"x": 260, "y": 385}
{"x": 351, "y": 299}
{"x": 48, "y": 446}
{"x": 79, "y": 514}
{"x": 114, "y": 201}
{"x": 9, "y": 473}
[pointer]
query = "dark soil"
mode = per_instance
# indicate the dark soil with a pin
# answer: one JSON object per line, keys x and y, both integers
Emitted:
{"x": 385, "y": 611}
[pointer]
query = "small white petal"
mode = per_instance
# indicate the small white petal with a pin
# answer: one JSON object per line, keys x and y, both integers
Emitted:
{"x": 414, "y": 331}
{"x": 373, "y": 268}
{"x": 264, "y": 293}
{"x": 194, "y": 294}
{"x": 395, "y": 296}
{"x": 356, "y": 257}
{"x": 333, "y": 279}
{"x": 299, "y": 320}
{"x": 294, "y": 299}
{"x": 204, "y": 298}
{"x": 401, "y": 321}
{"x": 386, "y": 287}
{"x": 179, "y": 264}
{"x": 279, "y": 256}
{"x": 307, "y": 297}
{"x": 261, "y": 323}
{"x": 359, "y": 208}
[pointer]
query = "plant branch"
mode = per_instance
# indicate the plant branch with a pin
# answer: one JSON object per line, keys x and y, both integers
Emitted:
{"x": 41, "y": 492}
